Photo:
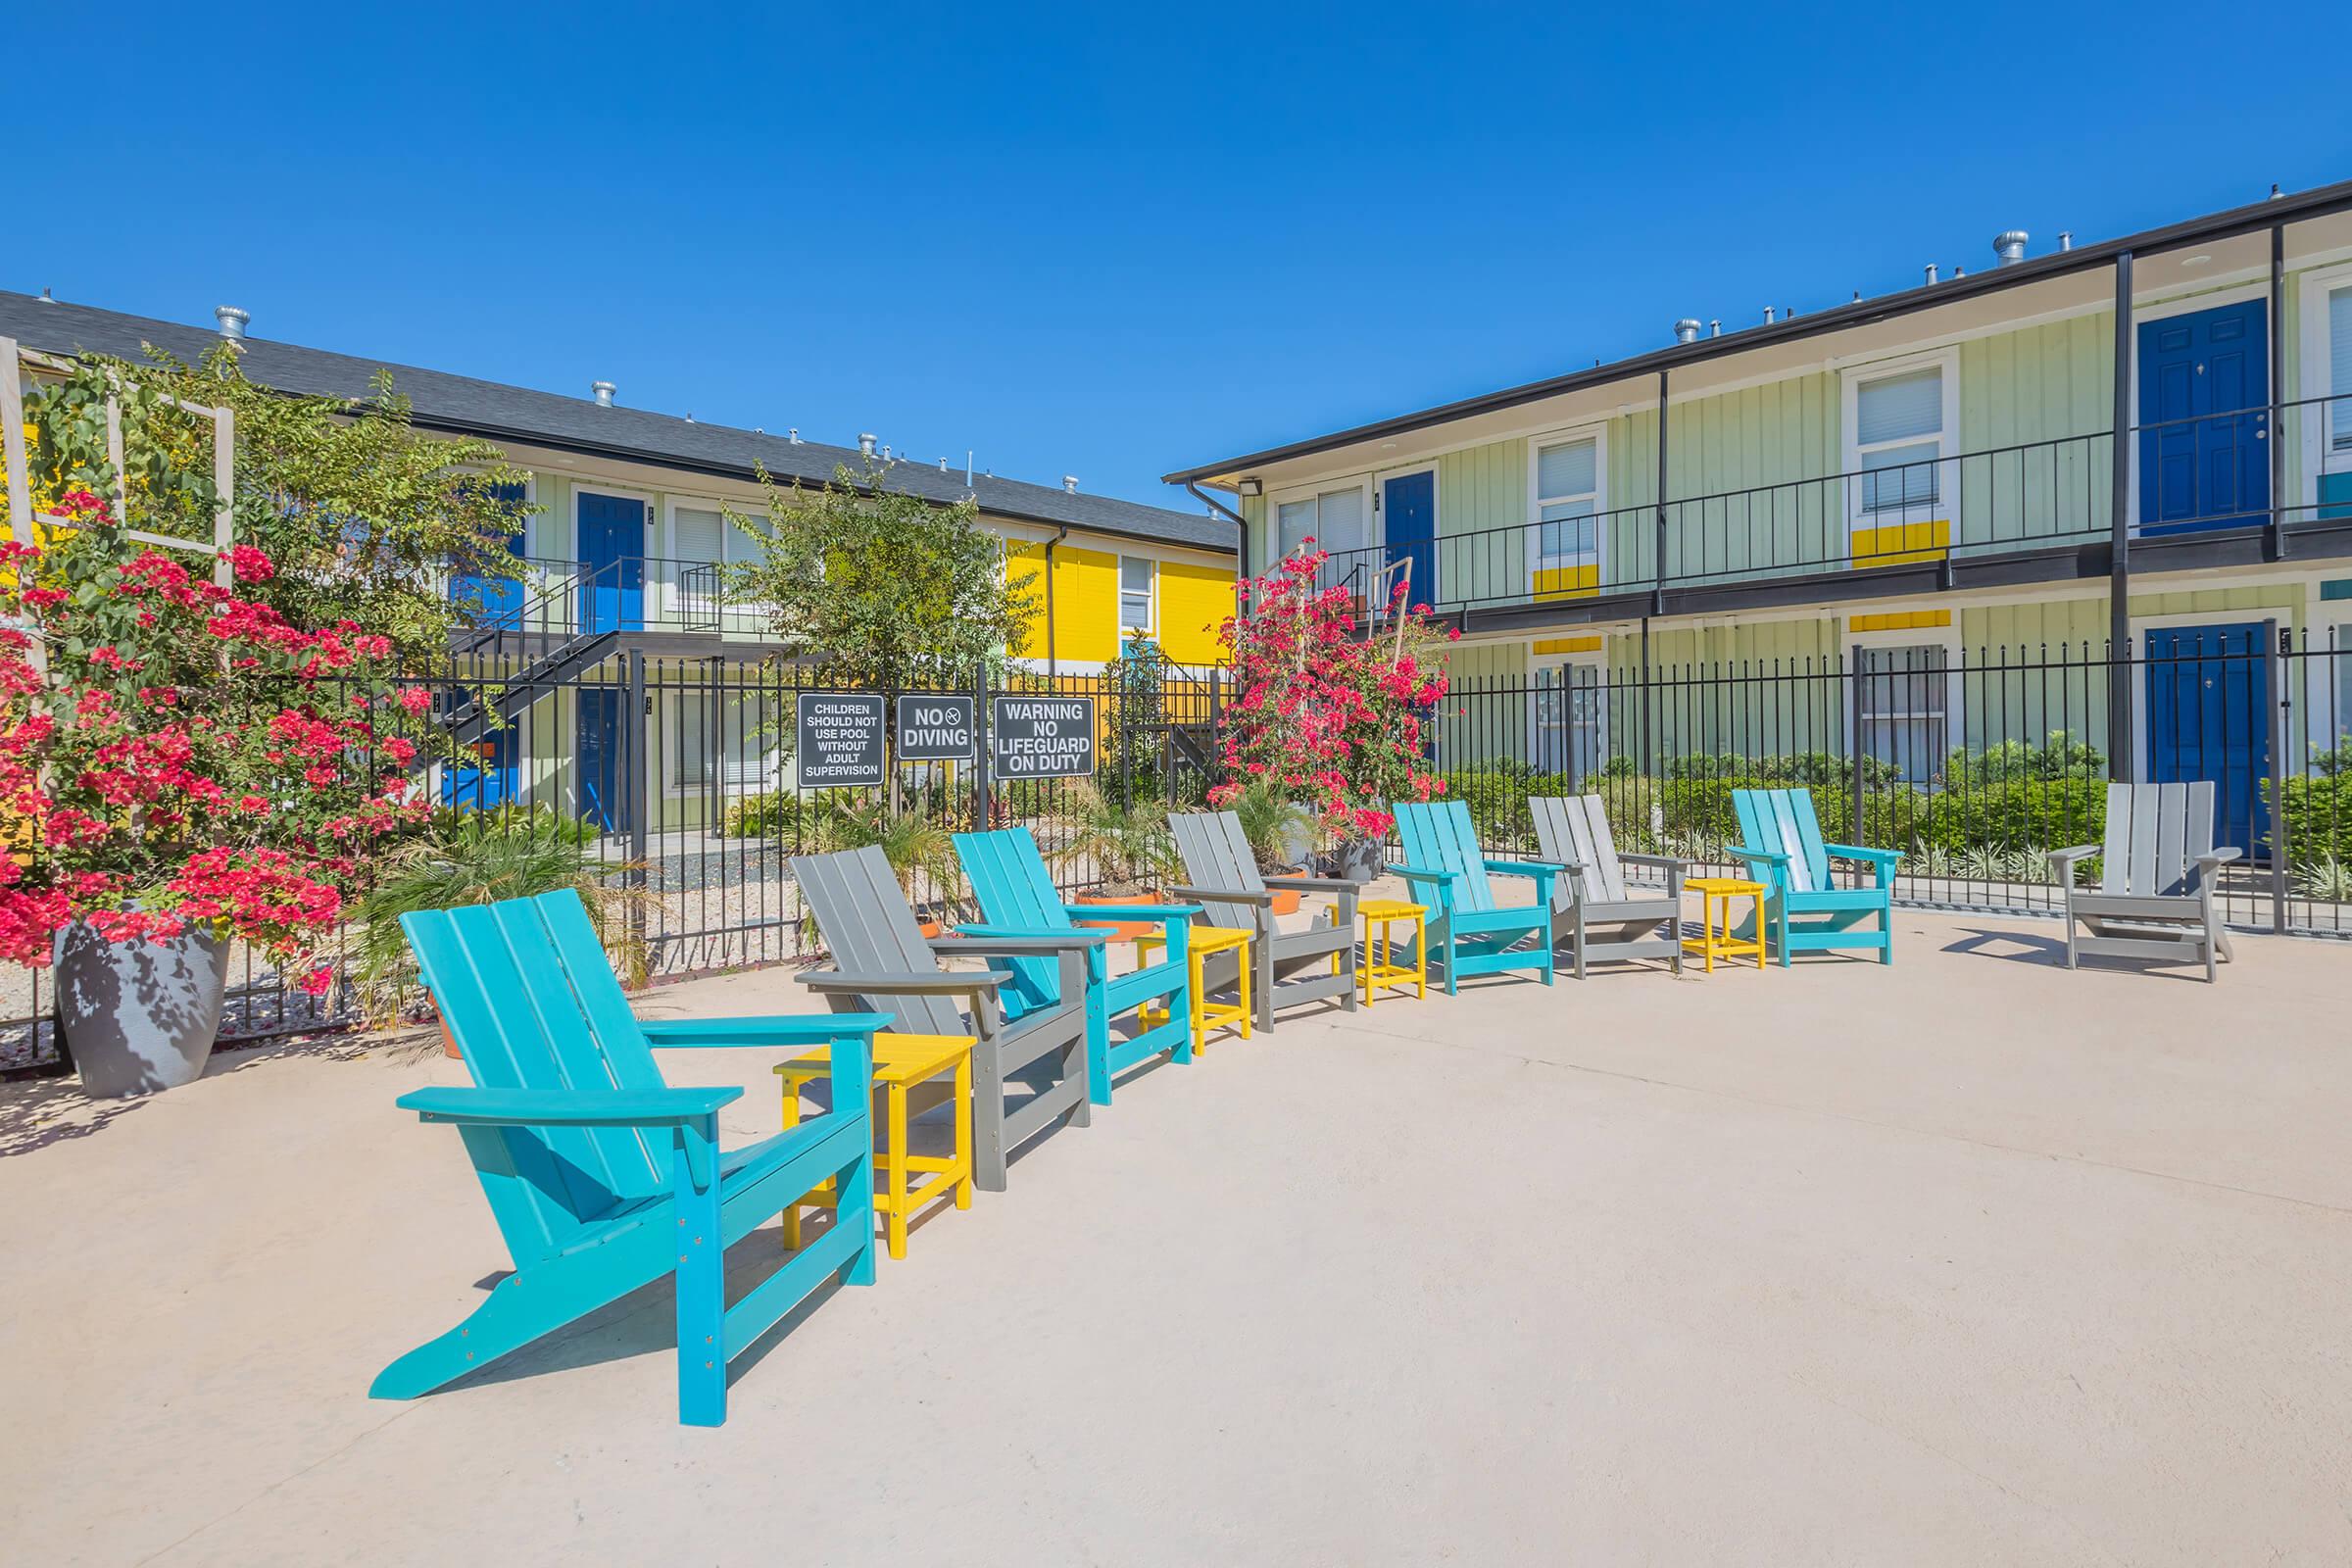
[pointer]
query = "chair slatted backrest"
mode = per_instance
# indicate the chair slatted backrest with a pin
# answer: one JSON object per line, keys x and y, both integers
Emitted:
{"x": 1217, "y": 858}
{"x": 2153, "y": 837}
{"x": 1783, "y": 821}
{"x": 1009, "y": 879}
{"x": 1439, "y": 836}
{"x": 863, "y": 912}
{"x": 528, "y": 1014}
{"x": 1575, "y": 831}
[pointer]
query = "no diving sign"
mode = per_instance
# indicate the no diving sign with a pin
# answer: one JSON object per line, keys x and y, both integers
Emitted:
{"x": 935, "y": 728}
{"x": 1042, "y": 737}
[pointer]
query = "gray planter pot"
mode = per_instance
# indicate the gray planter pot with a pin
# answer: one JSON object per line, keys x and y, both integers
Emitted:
{"x": 1356, "y": 859}
{"x": 138, "y": 1016}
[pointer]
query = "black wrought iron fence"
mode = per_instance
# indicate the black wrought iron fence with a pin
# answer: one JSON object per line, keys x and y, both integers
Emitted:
{"x": 1974, "y": 763}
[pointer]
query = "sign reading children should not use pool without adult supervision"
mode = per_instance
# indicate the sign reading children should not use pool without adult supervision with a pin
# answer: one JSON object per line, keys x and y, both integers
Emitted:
{"x": 840, "y": 736}
{"x": 1042, "y": 737}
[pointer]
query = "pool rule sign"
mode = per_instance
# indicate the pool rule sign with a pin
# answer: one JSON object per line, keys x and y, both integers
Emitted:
{"x": 936, "y": 728}
{"x": 840, "y": 735}
{"x": 1042, "y": 737}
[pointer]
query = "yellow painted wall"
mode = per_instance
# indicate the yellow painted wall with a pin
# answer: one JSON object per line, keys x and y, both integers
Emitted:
{"x": 1085, "y": 604}
{"x": 1194, "y": 602}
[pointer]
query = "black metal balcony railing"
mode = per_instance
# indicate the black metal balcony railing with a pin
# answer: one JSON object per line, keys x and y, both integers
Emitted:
{"x": 2205, "y": 473}
{"x": 551, "y": 599}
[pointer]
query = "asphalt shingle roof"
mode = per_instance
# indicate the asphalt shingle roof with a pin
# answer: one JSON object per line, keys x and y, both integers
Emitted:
{"x": 461, "y": 404}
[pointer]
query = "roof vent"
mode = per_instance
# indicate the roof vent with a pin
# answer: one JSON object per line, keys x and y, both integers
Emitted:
{"x": 2010, "y": 246}
{"x": 232, "y": 321}
{"x": 2066, "y": 239}
{"x": 48, "y": 298}
{"x": 1958, "y": 271}
{"x": 1715, "y": 327}
{"x": 1686, "y": 331}
{"x": 1069, "y": 483}
{"x": 1931, "y": 271}
{"x": 1767, "y": 316}
{"x": 792, "y": 436}
{"x": 604, "y": 391}
{"x": 865, "y": 443}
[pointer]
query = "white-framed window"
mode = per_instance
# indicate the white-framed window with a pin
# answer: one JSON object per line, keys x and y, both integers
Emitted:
{"x": 1566, "y": 473}
{"x": 1138, "y": 575}
{"x": 1907, "y": 705}
{"x": 1338, "y": 517}
{"x": 1568, "y": 717}
{"x": 727, "y": 740}
{"x": 2324, "y": 417}
{"x": 1902, "y": 431}
{"x": 2339, "y": 368}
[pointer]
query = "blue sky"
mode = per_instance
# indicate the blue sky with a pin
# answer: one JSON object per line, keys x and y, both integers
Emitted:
{"x": 1102, "y": 240}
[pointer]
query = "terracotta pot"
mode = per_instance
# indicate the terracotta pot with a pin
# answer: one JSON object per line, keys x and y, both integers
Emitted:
{"x": 929, "y": 928}
{"x": 1120, "y": 930}
{"x": 449, "y": 1042}
{"x": 1286, "y": 900}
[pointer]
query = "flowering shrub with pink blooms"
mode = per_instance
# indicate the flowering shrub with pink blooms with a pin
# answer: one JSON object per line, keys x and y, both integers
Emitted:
{"x": 173, "y": 755}
{"x": 1333, "y": 712}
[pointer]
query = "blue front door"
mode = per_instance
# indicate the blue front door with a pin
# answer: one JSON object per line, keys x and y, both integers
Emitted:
{"x": 2204, "y": 448}
{"x": 2209, "y": 718}
{"x": 495, "y": 601}
{"x": 602, "y": 801}
{"x": 485, "y": 780}
{"x": 1408, "y": 518}
{"x": 612, "y": 562}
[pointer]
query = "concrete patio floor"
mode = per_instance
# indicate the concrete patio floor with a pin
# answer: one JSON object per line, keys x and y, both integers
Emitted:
{"x": 1965, "y": 1261}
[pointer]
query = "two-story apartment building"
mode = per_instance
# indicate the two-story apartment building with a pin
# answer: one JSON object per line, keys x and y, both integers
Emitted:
{"x": 626, "y": 530}
{"x": 1917, "y": 480}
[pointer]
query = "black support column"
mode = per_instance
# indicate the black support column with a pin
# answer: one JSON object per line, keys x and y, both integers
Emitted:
{"x": 2123, "y": 755}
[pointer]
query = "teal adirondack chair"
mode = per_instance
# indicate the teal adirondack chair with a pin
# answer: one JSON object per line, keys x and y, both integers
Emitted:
{"x": 1017, "y": 897}
{"x": 1807, "y": 911}
{"x": 1469, "y": 931}
{"x": 602, "y": 1177}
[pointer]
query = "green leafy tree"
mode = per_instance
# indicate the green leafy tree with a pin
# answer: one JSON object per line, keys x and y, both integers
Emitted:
{"x": 366, "y": 517}
{"x": 881, "y": 587}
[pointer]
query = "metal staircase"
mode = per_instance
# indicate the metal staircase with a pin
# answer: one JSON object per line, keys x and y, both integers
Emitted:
{"x": 581, "y": 613}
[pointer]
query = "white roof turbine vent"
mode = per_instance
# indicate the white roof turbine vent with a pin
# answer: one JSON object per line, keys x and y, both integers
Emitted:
{"x": 1069, "y": 483}
{"x": 1686, "y": 331}
{"x": 2009, "y": 245}
{"x": 865, "y": 443}
{"x": 232, "y": 321}
{"x": 604, "y": 391}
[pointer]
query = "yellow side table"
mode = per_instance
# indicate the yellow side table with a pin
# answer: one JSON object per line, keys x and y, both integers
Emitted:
{"x": 1378, "y": 970}
{"x": 1201, "y": 941}
{"x": 900, "y": 1061}
{"x": 1715, "y": 894}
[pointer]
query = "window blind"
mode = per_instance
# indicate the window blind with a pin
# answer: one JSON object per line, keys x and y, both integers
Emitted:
{"x": 1896, "y": 407}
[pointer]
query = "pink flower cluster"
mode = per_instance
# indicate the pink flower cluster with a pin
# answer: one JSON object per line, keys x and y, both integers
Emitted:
{"x": 1333, "y": 706}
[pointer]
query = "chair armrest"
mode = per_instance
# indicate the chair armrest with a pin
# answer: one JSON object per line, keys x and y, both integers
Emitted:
{"x": 1532, "y": 868}
{"x": 1772, "y": 857}
{"x": 1133, "y": 911}
{"x": 803, "y": 1029}
{"x": 908, "y": 983}
{"x": 1223, "y": 895}
{"x": 1314, "y": 884}
{"x": 1423, "y": 873}
{"x": 1854, "y": 852}
{"x": 1014, "y": 942}
{"x": 1664, "y": 862}
{"x": 567, "y": 1108}
{"x": 2070, "y": 855}
{"x": 2214, "y": 857}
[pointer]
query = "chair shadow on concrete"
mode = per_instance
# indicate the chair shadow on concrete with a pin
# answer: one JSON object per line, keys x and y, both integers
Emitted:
{"x": 2012, "y": 945}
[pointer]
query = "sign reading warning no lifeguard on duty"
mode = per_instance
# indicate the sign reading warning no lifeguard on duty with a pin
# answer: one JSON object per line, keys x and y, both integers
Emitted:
{"x": 1042, "y": 737}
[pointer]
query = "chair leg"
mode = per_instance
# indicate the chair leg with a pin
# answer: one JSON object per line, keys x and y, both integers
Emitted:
{"x": 894, "y": 1165}
{"x": 1261, "y": 955}
{"x": 1578, "y": 938}
{"x": 987, "y": 1116}
{"x": 963, "y": 1116}
{"x": 702, "y": 1291}
{"x": 2072, "y": 960}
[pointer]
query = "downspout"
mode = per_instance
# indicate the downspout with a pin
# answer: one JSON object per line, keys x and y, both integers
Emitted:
{"x": 1241, "y": 550}
{"x": 1059, "y": 534}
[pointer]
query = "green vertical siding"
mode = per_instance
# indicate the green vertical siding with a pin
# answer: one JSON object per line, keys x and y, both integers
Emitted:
{"x": 2032, "y": 406}
{"x": 1482, "y": 500}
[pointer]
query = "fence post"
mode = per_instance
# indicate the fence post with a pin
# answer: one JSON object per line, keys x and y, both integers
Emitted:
{"x": 980, "y": 740}
{"x": 634, "y": 757}
{"x": 2276, "y": 646}
{"x": 1853, "y": 738}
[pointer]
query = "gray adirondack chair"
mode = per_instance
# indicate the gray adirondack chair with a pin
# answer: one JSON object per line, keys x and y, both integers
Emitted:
{"x": 1594, "y": 909}
{"x": 2157, "y": 870}
{"x": 1291, "y": 966}
{"x": 878, "y": 951}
